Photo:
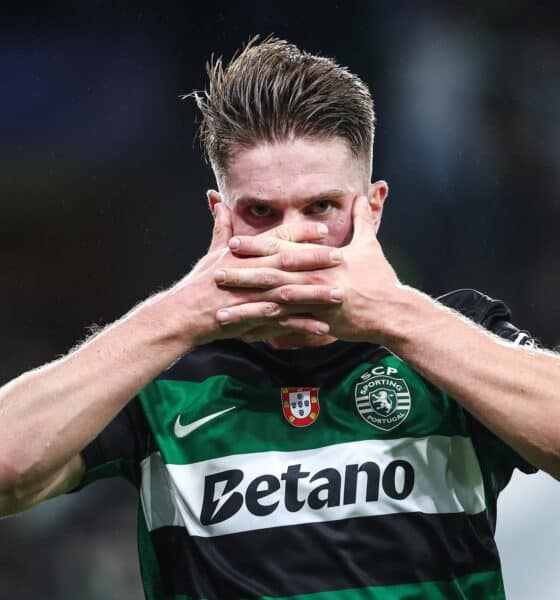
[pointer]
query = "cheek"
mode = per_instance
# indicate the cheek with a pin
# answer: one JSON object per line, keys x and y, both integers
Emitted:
{"x": 241, "y": 227}
{"x": 340, "y": 230}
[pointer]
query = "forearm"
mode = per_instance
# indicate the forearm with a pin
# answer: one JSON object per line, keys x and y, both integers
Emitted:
{"x": 512, "y": 390}
{"x": 50, "y": 414}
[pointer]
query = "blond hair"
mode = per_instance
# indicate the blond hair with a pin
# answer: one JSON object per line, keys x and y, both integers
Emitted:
{"x": 273, "y": 91}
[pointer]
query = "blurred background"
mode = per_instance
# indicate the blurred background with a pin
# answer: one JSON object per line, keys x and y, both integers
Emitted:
{"x": 102, "y": 202}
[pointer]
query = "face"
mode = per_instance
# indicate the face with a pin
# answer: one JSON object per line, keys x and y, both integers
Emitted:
{"x": 273, "y": 184}
{"x": 298, "y": 179}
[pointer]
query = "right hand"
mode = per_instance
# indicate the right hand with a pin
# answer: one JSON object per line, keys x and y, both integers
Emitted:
{"x": 199, "y": 298}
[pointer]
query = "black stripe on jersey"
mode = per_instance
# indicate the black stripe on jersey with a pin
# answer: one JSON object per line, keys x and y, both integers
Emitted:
{"x": 322, "y": 366}
{"x": 127, "y": 439}
{"x": 262, "y": 366}
{"x": 317, "y": 557}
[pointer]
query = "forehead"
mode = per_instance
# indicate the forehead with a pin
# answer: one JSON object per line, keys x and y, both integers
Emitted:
{"x": 293, "y": 168}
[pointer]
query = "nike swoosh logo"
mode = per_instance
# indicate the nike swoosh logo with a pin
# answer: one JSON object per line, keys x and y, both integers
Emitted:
{"x": 182, "y": 431}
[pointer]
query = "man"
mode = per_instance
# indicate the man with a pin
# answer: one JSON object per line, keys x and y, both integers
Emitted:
{"x": 359, "y": 450}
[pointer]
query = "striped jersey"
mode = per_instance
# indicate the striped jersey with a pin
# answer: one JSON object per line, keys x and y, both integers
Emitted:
{"x": 322, "y": 473}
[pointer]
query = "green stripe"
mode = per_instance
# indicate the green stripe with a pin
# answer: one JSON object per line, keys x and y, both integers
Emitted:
{"x": 479, "y": 586}
{"x": 258, "y": 425}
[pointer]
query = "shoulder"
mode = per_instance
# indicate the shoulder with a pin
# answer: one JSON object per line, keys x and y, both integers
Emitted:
{"x": 475, "y": 305}
{"x": 493, "y": 314}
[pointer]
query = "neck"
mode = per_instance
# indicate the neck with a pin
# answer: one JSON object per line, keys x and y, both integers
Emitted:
{"x": 299, "y": 340}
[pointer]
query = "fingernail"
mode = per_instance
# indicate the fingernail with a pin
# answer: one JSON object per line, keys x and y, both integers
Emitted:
{"x": 335, "y": 255}
{"x": 322, "y": 229}
{"x": 336, "y": 294}
{"x": 219, "y": 276}
{"x": 223, "y": 315}
{"x": 234, "y": 243}
{"x": 322, "y": 328}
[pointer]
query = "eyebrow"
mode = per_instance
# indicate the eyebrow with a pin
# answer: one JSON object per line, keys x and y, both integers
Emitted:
{"x": 324, "y": 195}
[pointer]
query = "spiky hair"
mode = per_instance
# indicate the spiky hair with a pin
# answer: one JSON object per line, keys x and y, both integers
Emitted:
{"x": 272, "y": 91}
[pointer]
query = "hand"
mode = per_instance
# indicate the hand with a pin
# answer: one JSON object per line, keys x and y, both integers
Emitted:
{"x": 204, "y": 307}
{"x": 363, "y": 279}
{"x": 370, "y": 287}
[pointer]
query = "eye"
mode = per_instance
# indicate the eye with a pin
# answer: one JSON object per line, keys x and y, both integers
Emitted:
{"x": 321, "y": 207}
{"x": 260, "y": 210}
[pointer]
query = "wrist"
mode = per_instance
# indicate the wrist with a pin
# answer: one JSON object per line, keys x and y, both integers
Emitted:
{"x": 166, "y": 322}
{"x": 405, "y": 315}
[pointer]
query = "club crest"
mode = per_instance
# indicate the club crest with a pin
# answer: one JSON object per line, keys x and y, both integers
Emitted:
{"x": 300, "y": 405}
{"x": 382, "y": 399}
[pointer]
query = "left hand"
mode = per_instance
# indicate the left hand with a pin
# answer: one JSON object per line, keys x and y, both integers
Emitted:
{"x": 367, "y": 283}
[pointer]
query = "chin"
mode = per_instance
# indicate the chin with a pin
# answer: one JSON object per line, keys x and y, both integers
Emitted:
{"x": 297, "y": 340}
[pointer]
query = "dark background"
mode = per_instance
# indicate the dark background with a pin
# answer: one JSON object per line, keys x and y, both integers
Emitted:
{"x": 102, "y": 192}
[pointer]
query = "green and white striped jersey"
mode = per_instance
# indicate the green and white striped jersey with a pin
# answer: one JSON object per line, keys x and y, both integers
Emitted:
{"x": 333, "y": 472}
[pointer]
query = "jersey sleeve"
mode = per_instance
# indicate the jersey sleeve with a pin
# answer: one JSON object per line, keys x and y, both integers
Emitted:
{"x": 495, "y": 316}
{"x": 119, "y": 449}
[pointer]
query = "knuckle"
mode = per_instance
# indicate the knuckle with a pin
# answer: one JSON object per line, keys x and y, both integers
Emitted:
{"x": 283, "y": 233}
{"x": 269, "y": 279}
{"x": 287, "y": 259}
{"x": 245, "y": 245}
{"x": 308, "y": 231}
{"x": 315, "y": 279}
{"x": 318, "y": 255}
{"x": 237, "y": 314}
{"x": 271, "y": 309}
{"x": 319, "y": 293}
{"x": 286, "y": 294}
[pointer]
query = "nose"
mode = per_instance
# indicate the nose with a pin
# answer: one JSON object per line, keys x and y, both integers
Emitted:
{"x": 292, "y": 215}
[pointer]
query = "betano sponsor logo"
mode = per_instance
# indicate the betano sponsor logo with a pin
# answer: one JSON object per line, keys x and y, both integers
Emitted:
{"x": 259, "y": 490}
{"x": 328, "y": 488}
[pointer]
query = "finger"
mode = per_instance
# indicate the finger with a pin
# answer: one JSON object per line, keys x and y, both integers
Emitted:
{"x": 296, "y": 324}
{"x": 271, "y": 241}
{"x": 301, "y": 231}
{"x": 362, "y": 217}
{"x": 308, "y": 259}
{"x": 258, "y": 313}
{"x": 305, "y": 294}
{"x": 222, "y": 231}
{"x": 256, "y": 277}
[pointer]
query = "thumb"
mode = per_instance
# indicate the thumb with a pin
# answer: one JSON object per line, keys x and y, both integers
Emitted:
{"x": 222, "y": 231}
{"x": 362, "y": 217}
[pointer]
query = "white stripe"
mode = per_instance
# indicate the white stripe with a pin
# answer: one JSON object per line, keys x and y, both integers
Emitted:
{"x": 158, "y": 496}
{"x": 447, "y": 480}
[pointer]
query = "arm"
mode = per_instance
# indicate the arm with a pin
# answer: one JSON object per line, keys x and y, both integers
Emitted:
{"x": 514, "y": 391}
{"x": 48, "y": 415}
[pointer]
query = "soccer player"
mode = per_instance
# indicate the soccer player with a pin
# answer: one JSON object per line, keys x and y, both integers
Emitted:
{"x": 298, "y": 422}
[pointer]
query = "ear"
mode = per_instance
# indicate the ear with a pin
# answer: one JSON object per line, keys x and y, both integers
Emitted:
{"x": 377, "y": 193}
{"x": 213, "y": 198}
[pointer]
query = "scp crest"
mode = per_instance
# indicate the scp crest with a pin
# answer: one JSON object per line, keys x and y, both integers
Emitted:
{"x": 382, "y": 399}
